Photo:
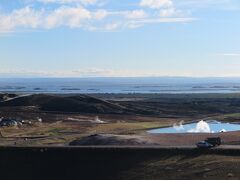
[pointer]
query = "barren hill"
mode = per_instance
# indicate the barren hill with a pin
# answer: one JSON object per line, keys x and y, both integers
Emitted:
{"x": 73, "y": 103}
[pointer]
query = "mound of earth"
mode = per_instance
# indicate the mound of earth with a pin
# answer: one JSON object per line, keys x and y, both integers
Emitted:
{"x": 109, "y": 139}
{"x": 76, "y": 103}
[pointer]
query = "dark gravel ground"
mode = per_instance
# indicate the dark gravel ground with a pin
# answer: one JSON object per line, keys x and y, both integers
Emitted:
{"x": 106, "y": 162}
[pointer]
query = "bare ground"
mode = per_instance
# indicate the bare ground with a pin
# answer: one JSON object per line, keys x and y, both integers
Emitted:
{"x": 21, "y": 159}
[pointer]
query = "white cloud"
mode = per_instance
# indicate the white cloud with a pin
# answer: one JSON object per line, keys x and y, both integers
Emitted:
{"x": 156, "y": 3}
{"x": 112, "y": 26}
{"x": 204, "y": 3}
{"x": 65, "y": 16}
{"x": 94, "y": 19}
{"x": 162, "y": 20}
{"x": 228, "y": 5}
{"x": 87, "y": 72}
{"x": 100, "y": 14}
{"x": 170, "y": 12}
{"x": 136, "y": 14}
{"x": 105, "y": 72}
{"x": 25, "y": 17}
{"x": 85, "y": 2}
{"x": 137, "y": 23}
{"x": 30, "y": 18}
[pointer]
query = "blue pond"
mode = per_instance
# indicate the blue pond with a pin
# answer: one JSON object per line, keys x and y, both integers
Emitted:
{"x": 200, "y": 127}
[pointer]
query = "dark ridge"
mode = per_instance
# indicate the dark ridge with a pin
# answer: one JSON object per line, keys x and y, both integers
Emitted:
{"x": 76, "y": 103}
{"x": 5, "y": 96}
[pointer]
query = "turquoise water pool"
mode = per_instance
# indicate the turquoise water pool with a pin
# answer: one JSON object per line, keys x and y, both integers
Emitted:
{"x": 200, "y": 127}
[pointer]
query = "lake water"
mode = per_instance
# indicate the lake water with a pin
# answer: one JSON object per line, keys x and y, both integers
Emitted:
{"x": 174, "y": 85}
{"x": 200, "y": 127}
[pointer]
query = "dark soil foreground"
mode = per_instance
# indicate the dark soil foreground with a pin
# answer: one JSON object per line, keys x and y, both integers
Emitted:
{"x": 33, "y": 163}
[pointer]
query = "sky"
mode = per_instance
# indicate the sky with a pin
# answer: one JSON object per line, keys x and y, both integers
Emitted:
{"x": 119, "y": 38}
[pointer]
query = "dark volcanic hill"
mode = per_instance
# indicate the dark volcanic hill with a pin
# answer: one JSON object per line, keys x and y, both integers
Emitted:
{"x": 75, "y": 103}
{"x": 5, "y": 96}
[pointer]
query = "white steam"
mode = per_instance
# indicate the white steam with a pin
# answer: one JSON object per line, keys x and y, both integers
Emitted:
{"x": 178, "y": 126}
{"x": 97, "y": 120}
{"x": 201, "y": 127}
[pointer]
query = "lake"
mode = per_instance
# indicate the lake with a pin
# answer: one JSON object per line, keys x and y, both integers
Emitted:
{"x": 174, "y": 85}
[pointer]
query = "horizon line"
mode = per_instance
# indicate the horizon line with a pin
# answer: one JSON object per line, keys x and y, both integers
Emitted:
{"x": 92, "y": 77}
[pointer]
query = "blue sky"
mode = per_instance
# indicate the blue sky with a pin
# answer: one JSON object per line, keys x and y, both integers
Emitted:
{"x": 79, "y": 38}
